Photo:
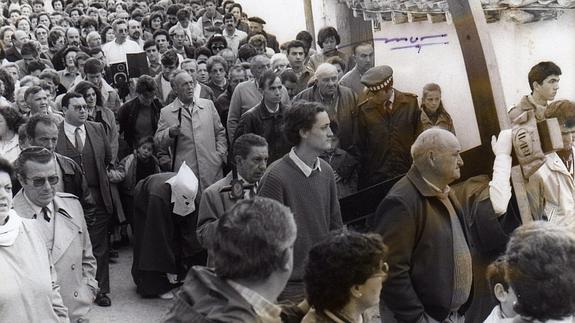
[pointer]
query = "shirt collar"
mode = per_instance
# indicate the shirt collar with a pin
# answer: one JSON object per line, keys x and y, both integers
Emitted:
{"x": 261, "y": 306}
{"x": 71, "y": 129}
{"x": 303, "y": 166}
{"x": 38, "y": 209}
{"x": 392, "y": 98}
{"x": 445, "y": 191}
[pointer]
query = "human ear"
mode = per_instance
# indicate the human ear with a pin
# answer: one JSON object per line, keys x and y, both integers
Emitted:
{"x": 355, "y": 291}
{"x": 500, "y": 292}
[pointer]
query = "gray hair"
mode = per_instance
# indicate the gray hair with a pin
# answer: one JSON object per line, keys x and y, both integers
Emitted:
{"x": 325, "y": 69}
{"x": 430, "y": 140}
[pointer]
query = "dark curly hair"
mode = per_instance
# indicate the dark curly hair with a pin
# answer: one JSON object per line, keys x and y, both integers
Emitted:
{"x": 302, "y": 115}
{"x": 9, "y": 87}
{"x": 339, "y": 262}
{"x": 540, "y": 260}
{"x": 325, "y": 33}
{"x": 83, "y": 88}
{"x": 13, "y": 118}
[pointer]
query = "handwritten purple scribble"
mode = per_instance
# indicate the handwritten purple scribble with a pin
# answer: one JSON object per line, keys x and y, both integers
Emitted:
{"x": 419, "y": 46}
{"x": 412, "y": 41}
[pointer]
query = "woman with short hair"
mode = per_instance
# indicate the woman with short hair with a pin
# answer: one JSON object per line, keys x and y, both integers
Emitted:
{"x": 328, "y": 39}
{"x": 540, "y": 258}
{"x": 343, "y": 277}
{"x": 10, "y": 121}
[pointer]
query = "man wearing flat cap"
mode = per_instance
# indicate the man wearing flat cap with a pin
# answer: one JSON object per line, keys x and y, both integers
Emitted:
{"x": 257, "y": 27}
{"x": 387, "y": 127}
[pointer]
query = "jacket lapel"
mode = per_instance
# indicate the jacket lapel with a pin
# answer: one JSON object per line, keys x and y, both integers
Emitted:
{"x": 65, "y": 230}
{"x": 22, "y": 206}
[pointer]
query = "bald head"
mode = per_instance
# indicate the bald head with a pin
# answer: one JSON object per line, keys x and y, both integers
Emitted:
{"x": 326, "y": 75}
{"x": 435, "y": 154}
{"x": 260, "y": 64}
{"x": 325, "y": 70}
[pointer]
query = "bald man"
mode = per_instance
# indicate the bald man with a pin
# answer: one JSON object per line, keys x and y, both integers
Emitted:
{"x": 340, "y": 103}
{"x": 427, "y": 228}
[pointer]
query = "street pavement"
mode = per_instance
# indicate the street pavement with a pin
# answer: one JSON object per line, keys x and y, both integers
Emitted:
{"x": 127, "y": 305}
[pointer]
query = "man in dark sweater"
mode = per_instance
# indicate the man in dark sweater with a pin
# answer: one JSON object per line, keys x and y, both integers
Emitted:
{"x": 306, "y": 184}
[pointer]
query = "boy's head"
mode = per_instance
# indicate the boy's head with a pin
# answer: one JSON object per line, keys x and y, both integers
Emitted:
{"x": 501, "y": 289}
{"x": 145, "y": 148}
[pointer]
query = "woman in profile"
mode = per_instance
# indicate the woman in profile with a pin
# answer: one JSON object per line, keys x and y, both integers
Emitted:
{"x": 344, "y": 276}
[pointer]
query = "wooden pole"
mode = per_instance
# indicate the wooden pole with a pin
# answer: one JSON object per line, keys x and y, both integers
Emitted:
{"x": 309, "y": 24}
{"x": 485, "y": 83}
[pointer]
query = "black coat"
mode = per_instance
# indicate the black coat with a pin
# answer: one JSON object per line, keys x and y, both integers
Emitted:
{"x": 128, "y": 115}
{"x": 385, "y": 138}
{"x": 258, "y": 120}
{"x": 416, "y": 227}
{"x": 12, "y": 54}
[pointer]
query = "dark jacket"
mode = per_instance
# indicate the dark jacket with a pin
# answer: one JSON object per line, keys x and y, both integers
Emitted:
{"x": 345, "y": 117}
{"x": 74, "y": 182}
{"x": 129, "y": 114}
{"x": 222, "y": 104}
{"x": 101, "y": 149}
{"x": 441, "y": 120}
{"x": 12, "y": 54}
{"x": 260, "y": 121}
{"x": 416, "y": 226}
{"x": 385, "y": 137}
{"x": 205, "y": 297}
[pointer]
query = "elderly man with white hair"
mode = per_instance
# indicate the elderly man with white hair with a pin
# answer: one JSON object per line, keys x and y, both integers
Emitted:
{"x": 94, "y": 40}
{"x": 340, "y": 103}
{"x": 279, "y": 62}
{"x": 433, "y": 231}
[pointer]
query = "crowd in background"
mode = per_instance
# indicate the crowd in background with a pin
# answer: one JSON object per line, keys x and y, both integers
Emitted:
{"x": 146, "y": 116}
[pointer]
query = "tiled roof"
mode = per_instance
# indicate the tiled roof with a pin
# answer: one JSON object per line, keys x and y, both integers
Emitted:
{"x": 401, "y": 11}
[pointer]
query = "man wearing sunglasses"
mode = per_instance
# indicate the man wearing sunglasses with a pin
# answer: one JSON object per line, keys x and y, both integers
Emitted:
{"x": 86, "y": 143}
{"x": 42, "y": 130}
{"x": 60, "y": 220}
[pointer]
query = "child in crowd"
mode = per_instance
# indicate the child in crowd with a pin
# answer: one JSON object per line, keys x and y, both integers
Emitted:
{"x": 432, "y": 112}
{"x": 133, "y": 168}
{"x": 502, "y": 291}
{"x": 344, "y": 166}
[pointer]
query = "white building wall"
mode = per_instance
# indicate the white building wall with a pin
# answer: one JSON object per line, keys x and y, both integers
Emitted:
{"x": 516, "y": 47}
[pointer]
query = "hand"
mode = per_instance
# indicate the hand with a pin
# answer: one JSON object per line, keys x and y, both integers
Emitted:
{"x": 174, "y": 131}
{"x": 503, "y": 144}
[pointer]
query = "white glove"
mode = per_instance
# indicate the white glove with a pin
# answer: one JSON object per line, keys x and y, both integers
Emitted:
{"x": 500, "y": 186}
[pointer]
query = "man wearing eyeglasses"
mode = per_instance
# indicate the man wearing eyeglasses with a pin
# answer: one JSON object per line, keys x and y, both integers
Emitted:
{"x": 86, "y": 143}
{"x": 60, "y": 219}
{"x": 42, "y": 130}
{"x": 115, "y": 51}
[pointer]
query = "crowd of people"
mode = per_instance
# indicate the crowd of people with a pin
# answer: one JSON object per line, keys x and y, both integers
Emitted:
{"x": 222, "y": 160}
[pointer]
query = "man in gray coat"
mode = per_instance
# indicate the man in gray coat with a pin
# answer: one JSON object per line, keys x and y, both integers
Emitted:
{"x": 60, "y": 219}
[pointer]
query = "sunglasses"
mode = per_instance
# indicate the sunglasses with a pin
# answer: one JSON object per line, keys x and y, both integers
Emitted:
{"x": 41, "y": 181}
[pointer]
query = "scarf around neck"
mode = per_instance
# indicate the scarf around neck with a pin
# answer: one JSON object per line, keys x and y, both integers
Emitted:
{"x": 9, "y": 231}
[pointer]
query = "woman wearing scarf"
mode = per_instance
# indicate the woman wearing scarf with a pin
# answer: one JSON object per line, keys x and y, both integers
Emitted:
{"x": 29, "y": 292}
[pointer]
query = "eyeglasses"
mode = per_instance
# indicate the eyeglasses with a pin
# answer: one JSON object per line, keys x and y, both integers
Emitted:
{"x": 383, "y": 272}
{"x": 79, "y": 108}
{"x": 41, "y": 181}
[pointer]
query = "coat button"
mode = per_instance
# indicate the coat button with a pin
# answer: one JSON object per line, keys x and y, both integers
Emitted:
{"x": 73, "y": 266}
{"x": 75, "y": 294}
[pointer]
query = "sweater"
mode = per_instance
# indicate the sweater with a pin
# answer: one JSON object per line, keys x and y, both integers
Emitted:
{"x": 313, "y": 201}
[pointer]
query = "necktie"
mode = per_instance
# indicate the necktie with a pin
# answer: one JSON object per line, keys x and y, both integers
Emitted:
{"x": 45, "y": 214}
{"x": 388, "y": 106}
{"x": 79, "y": 144}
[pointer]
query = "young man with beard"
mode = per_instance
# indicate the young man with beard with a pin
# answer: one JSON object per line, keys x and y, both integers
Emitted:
{"x": 135, "y": 32}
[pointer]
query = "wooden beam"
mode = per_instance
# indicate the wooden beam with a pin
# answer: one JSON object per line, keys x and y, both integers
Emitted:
{"x": 309, "y": 23}
{"x": 485, "y": 84}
